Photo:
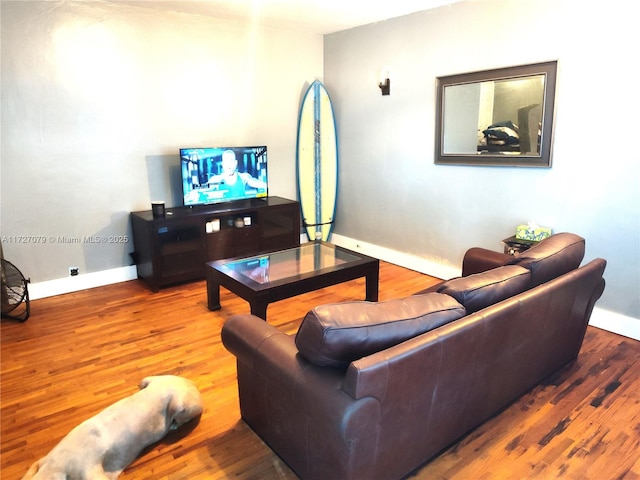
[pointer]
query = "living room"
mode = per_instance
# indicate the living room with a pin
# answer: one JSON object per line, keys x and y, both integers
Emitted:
{"x": 98, "y": 97}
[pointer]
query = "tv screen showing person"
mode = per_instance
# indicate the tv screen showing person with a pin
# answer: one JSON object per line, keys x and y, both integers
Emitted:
{"x": 211, "y": 175}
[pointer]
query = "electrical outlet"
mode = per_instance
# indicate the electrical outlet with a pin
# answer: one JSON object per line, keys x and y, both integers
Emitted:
{"x": 73, "y": 271}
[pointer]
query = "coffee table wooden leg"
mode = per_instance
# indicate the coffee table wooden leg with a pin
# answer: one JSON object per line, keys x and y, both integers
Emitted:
{"x": 259, "y": 309}
{"x": 213, "y": 293}
{"x": 372, "y": 284}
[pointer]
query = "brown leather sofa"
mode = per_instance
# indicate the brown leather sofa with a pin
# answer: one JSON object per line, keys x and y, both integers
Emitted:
{"x": 374, "y": 390}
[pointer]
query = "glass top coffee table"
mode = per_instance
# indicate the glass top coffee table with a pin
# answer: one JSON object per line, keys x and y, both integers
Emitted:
{"x": 267, "y": 278}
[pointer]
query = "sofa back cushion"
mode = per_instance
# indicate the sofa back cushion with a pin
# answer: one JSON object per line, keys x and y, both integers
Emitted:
{"x": 336, "y": 334}
{"x": 480, "y": 290}
{"x": 552, "y": 257}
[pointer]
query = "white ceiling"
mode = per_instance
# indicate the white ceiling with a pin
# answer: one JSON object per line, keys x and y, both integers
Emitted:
{"x": 319, "y": 16}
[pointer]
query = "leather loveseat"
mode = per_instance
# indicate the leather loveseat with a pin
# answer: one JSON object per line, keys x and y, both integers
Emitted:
{"x": 374, "y": 390}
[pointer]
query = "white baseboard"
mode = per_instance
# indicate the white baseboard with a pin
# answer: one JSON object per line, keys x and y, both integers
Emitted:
{"x": 406, "y": 260}
{"x": 616, "y": 323}
{"x": 60, "y": 286}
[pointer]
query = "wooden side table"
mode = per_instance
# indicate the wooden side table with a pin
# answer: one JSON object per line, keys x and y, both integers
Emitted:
{"x": 515, "y": 246}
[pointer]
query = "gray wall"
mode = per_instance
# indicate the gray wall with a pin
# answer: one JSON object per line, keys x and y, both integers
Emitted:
{"x": 96, "y": 101}
{"x": 390, "y": 192}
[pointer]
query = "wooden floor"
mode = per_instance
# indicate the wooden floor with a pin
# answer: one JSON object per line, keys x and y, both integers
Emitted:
{"x": 80, "y": 352}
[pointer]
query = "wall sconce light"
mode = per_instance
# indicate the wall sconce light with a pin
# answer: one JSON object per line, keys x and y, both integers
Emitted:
{"x": 385, "y": 86}
{"x": 383, "y": 81}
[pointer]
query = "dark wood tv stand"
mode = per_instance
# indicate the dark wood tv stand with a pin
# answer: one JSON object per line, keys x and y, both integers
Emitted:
{"x": 175, "y": 248}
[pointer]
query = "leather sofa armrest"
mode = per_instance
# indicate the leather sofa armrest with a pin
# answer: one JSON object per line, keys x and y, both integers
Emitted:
{"x": 273, "y": 355}
{"x": 478, "y": 260}
{"x": 245, "y": 336}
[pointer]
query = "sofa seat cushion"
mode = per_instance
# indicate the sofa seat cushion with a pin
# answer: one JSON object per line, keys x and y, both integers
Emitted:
{"x": 480, "y": 290}
{"x": 552, "y": 257}
{"x": 336, "y": 334}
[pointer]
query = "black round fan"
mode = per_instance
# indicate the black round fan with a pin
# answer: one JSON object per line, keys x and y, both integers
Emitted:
{"x": 15, "y": 295}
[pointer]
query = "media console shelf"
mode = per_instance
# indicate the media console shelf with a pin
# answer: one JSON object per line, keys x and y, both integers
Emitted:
{"x": 174, "y": 248}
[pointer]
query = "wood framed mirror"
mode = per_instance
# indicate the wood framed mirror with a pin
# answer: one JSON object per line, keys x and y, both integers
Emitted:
{"x": 500, "y": 117}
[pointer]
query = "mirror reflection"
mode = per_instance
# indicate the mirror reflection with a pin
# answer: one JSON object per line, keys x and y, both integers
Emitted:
{"x": 497, "y": 117}
{"x": 502, "y": 116}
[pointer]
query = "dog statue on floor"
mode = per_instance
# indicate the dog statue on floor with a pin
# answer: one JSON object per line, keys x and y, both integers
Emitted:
{"x": 101, "y": 447}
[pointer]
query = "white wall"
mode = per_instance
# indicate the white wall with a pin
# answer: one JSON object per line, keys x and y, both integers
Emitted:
{"x": 390, "y": 192}
{"x": 96, "y": 101}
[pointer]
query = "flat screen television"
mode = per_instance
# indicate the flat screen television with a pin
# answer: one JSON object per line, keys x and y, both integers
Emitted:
{"x": 223, "y": 174}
